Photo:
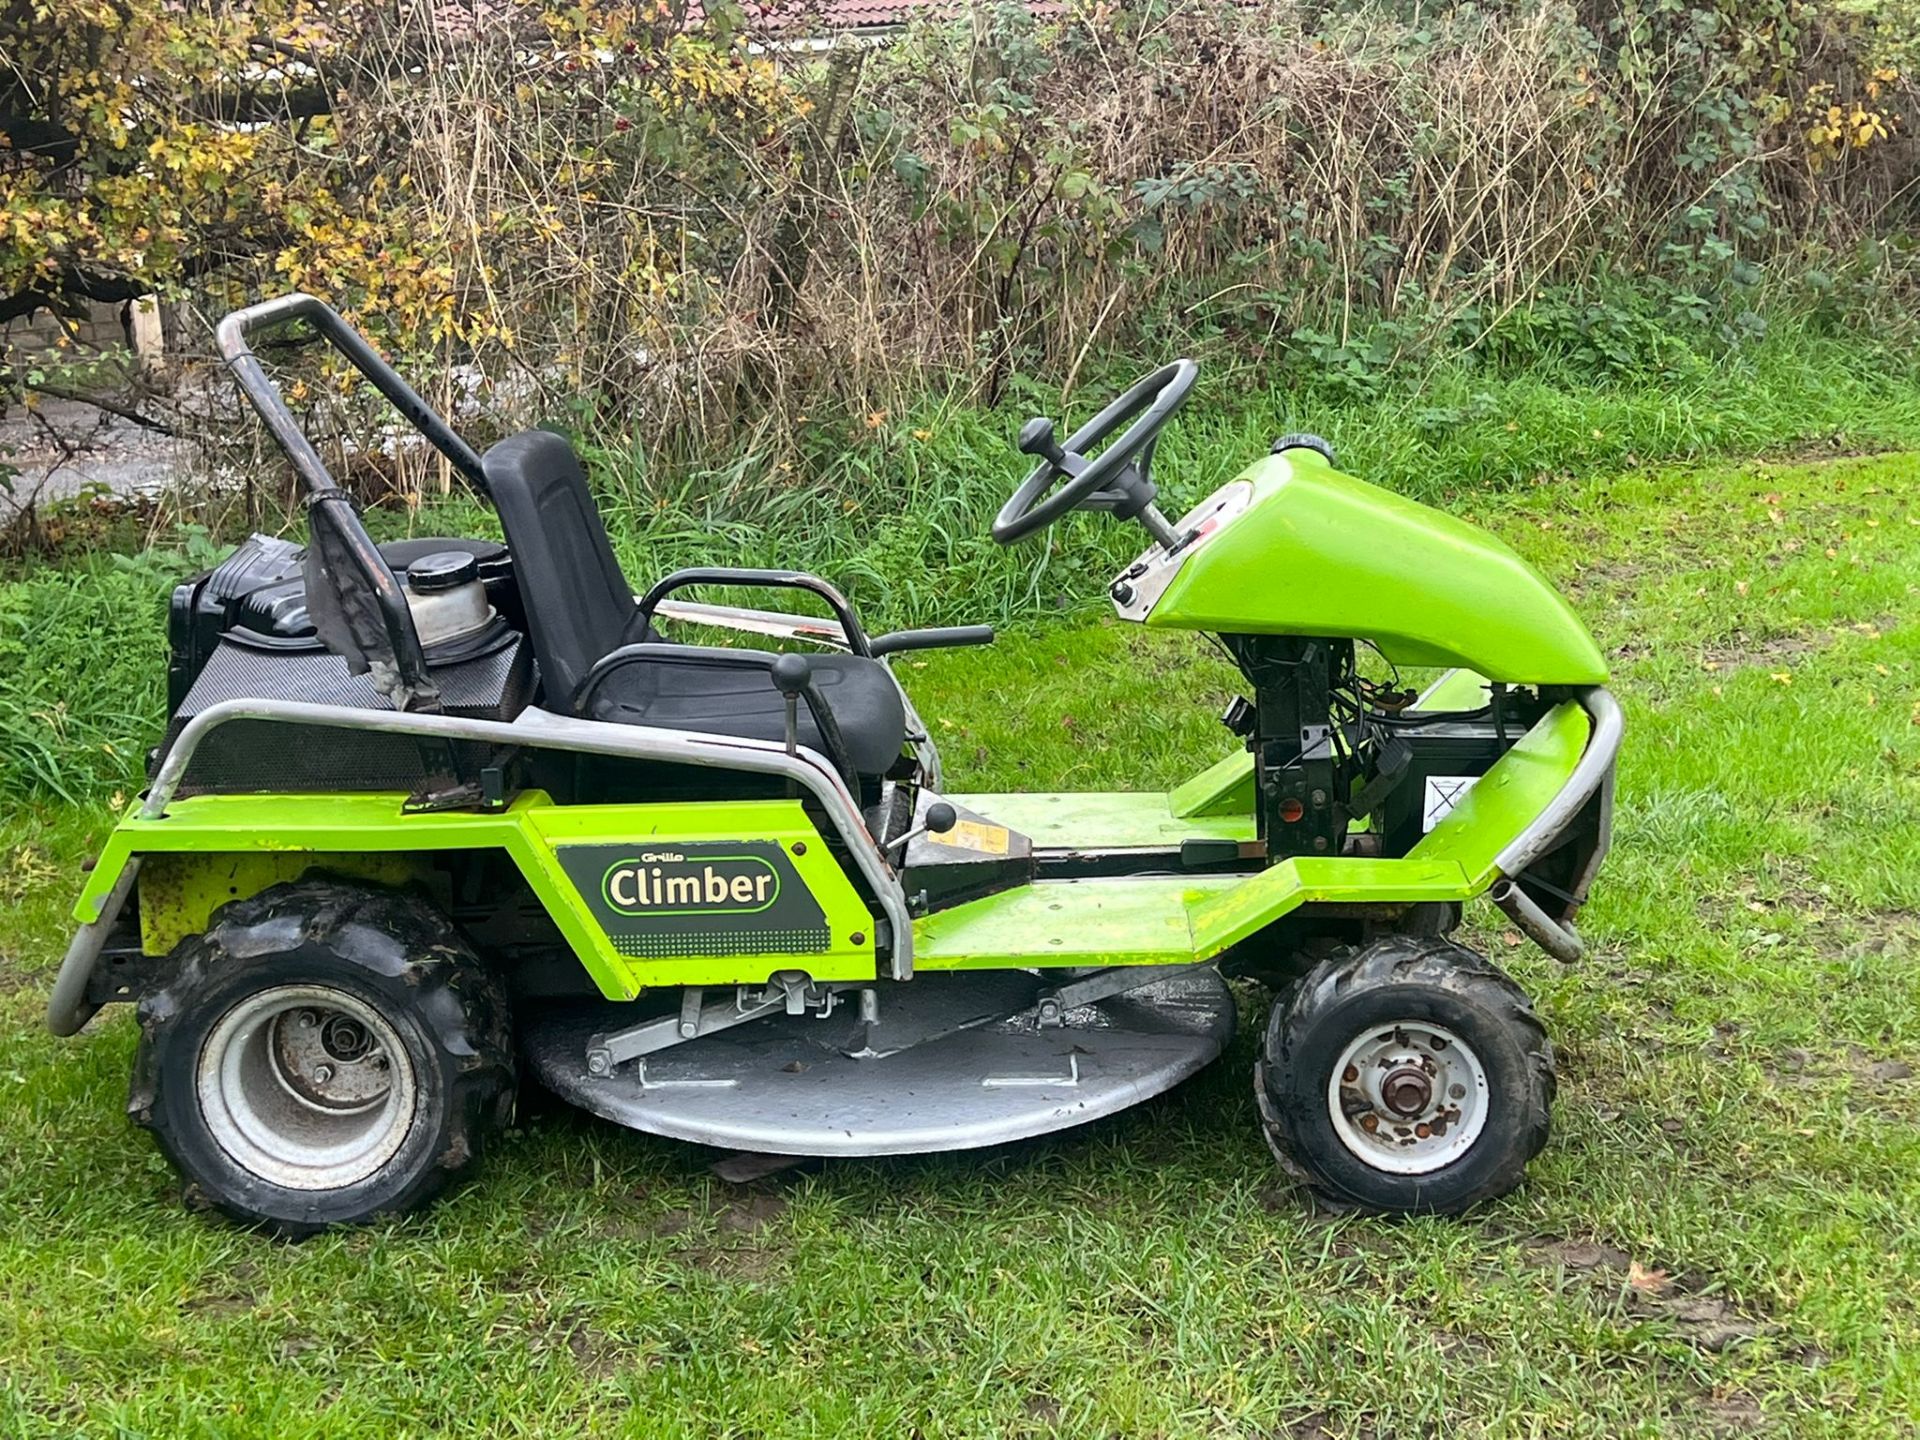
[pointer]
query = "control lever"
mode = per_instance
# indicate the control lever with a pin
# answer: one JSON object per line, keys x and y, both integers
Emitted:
{"x": 941, "y": 817}
{"x": 1036, "y": 438}
{"x": 791, "y": 674}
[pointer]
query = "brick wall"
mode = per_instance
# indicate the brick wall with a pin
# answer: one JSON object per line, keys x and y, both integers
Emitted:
{"x": 132, "y": 328}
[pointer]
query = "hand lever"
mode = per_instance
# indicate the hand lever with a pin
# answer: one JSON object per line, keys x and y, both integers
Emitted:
{"x": 791, "y": 674}
{"x": 941, "y": 817}
{"x": 1036, "y": 438}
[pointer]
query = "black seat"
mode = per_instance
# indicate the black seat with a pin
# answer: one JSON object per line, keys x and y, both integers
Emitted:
{"x": 719, "y": 691}
{"x": 580, "y": 609}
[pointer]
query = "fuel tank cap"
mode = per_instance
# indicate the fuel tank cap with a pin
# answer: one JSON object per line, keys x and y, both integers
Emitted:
{"x": 441, "y": 571}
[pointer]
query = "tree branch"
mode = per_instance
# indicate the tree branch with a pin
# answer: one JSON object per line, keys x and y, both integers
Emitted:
{"x": 114, "y": 289}
{"x": 101, "y": 402}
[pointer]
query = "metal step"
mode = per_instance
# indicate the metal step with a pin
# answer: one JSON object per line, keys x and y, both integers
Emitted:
{"x": 955, "y": 1061}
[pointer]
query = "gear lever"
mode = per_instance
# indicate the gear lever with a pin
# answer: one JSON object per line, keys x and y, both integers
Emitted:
{"x": 791, "y": 676}
{"x": 941, "y": 817}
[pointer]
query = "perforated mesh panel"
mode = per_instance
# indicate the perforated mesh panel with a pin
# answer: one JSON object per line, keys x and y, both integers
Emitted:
{"x": 271, "y": 755}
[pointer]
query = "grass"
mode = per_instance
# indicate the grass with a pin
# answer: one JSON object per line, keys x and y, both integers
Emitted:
{"x": 894, "y": 507}
{"x": 1723, "y": 1236}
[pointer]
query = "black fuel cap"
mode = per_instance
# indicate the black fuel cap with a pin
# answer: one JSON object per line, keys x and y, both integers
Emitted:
{"x": 442, "y": 570}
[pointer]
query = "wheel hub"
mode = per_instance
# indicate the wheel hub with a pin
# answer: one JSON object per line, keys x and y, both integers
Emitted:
{"x": 306, "y": 1086}
{"x": 1406, "y": 1090}
{"x": 1408, "y": 1099}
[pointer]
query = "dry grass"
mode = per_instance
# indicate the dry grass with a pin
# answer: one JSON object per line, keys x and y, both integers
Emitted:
{"x": 681, "y": 239}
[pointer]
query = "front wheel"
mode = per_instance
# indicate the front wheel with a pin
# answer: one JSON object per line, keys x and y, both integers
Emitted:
{"x": 1408, "y": 1076}
{"x": 325, "y": 1054}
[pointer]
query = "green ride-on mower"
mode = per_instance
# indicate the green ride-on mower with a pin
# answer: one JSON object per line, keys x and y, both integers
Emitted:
{"x": 429, "y": 814}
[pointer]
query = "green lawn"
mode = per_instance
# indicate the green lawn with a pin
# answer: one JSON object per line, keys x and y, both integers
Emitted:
{"x": 1723, "y": 1236}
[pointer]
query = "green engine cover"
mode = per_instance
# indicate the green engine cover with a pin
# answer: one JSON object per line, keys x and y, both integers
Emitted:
{"x": 1316, "y": 552}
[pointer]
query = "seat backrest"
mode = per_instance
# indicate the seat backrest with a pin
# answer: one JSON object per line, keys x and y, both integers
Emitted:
{"x": 578, "y": 603}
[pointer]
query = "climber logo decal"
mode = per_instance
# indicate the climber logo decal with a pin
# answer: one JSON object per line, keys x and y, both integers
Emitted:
{"x": 666, "y": 882}
{"x": 663, "y": 901}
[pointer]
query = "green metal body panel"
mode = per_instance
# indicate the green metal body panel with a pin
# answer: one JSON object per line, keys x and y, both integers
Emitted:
{"x": 1216, "y": 804}
{"x": 238, "y": 844}
{"x": 1170, "y": 919}
{"x": 1105, "y": 819}
{"x": 1455, "y": 690}
{"x": 211, "y": 849}
{"x": 180, "y": 892}
{"x": 1321, "y": 553}
{"x": 1224, "y": 788}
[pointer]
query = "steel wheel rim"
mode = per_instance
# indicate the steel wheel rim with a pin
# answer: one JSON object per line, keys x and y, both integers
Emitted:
{"x": 307, "y": 1087}
{"x": 1408, "y": 1098}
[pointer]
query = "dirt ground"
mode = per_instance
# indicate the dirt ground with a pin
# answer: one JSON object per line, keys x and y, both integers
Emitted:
{"x": 62, "y": 448}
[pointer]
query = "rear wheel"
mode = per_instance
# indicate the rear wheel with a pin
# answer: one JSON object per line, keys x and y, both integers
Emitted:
{"x": 1407, "y": 1076}
{"x": 326, "y": 1054}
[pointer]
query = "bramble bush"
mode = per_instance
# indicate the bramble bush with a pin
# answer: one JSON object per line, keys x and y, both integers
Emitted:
{"x": 710, "y": 247}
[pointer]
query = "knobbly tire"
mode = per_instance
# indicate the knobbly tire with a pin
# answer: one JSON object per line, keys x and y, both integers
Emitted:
{"x": 327, "y": 1053}
{"x": 1408, "y": 1076}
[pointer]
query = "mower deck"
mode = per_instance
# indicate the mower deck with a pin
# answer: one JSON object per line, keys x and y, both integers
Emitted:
{"x": 952, "y": 1063}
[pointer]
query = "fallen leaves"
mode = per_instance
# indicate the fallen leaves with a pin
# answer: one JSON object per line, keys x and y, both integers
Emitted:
{"x": 1648, "y": 1282}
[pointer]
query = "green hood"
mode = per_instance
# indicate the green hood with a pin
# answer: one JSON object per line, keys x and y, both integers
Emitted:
{"x": 1317, "y": 552}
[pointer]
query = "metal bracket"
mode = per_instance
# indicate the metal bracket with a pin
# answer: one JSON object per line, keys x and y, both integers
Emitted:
{"x": 788, "y": 992}
{"x": 1052, "y": 1007}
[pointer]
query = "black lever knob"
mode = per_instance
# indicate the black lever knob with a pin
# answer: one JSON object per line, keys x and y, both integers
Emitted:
{"x": 1036, "y": 438}
{"x": 791, "y": 673}
{"x": 941, "y": 817}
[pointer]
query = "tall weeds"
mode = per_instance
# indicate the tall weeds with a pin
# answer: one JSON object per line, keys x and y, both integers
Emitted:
{"x": 700, "y": 243}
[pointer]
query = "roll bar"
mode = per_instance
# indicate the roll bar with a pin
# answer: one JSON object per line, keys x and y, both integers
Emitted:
{"x": 359, "y": 611}
{"x": 232, "y": 334}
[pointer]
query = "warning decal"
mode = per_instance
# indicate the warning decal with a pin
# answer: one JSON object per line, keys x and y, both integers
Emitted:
{"x": 1443, "y": 793}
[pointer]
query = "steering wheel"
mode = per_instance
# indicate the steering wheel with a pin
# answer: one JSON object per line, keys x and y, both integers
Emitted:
{"x": 1119, "y": 479}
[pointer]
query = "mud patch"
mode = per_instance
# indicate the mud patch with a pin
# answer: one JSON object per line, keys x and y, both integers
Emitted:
{"x": 751, "y": 1213}
{"x": 218, "y": 1307}
{"x": 747, "y": 1263}
{"x": 1042, "y": 1407}
{"x": 1877, "y": 932}
{"x": 572, "y": 1334}
{"x": 1800, "y": 1067}
{"x": 1576, "y": 1254}
{"x": 1728, "y": 1415}
{"x": 1639, "y": 1291}
{"x": 1457, "y": 1347}
{"x": 293, "y": 1347}
{"x": 744, "y": 1212}
{"x": 236, "y": 1295}
{"x": 1704, "y": 1321}
{"x": 1773, "y": 651}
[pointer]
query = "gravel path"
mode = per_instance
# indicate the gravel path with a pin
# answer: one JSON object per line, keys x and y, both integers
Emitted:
{"x": 62, "y": 448}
